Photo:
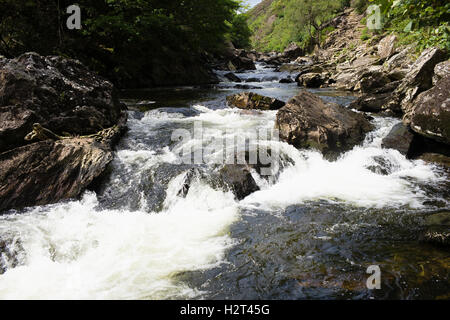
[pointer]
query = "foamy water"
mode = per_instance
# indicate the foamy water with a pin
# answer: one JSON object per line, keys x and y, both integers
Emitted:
{"x": 75, "y": 250}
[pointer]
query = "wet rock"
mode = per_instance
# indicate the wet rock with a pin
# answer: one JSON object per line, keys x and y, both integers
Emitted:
{"x": 441, "y": 70}
{"x": 60, "y": 94}
{"x": 49, "y": 171}
{"x": 239, "y": 179}
{"x": 438, "y": 229}
{"x": 308, "y": 122}
{"x": 430, "y": 113}
{"x": 11, "y": 253}
{"x": 400, "y": 138}
{"x": 250, "y": 100}
{"x": 386, "y": 47}
{"x": 232, "y": 77}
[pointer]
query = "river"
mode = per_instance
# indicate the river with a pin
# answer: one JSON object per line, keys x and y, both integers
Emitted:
{"x": 311, "y": 232}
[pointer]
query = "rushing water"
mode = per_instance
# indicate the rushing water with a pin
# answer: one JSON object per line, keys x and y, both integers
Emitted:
{"x": 310, "y": 232}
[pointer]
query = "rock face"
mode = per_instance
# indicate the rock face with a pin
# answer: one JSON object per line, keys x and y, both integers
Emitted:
{"x": 239, "y": 179}
{"x": 430, "y": 112}
{"x": 308, "y": 122}
{"x": 417, "y": 80}
{"x": 60, "y": 94}
{"x": 67, "y": 101}
{"x": 250, "y": 100}
{"x": 400, "y": 138}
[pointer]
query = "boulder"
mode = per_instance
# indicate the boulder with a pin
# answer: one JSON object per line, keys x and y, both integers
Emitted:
{"x": 399, "y": 138}
{"x": 49, "y": 171}
{"x": 239, "y": 179}
{"x": 250, "y": 100}
{"x": 386, "y": 47}
{"x": 430, "y": 112}
{"x": 60, "y": 94}
{"x": 311, "y": 80}
{"x": 58, "y": 125}
{"x": 441, "y": 70}
{"x": 308, "y": 122}
{"x": 292, "y": 52}
{"x": 232, "y": 77}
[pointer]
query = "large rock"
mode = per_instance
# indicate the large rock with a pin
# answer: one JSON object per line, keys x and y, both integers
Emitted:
{"x": 400, "y": 138}
{"x": 250, "y": 100}
{"x": 239, "y": 179}
{"x": 308, "y": 122}
{"x": 293, "y": 51}
{"x": 58, "y": 125}
{"x": 312, "y": 80}
{"x": 60, "y": 94}
{"x": 49, "y": 171}
{"x": 430, "y": 113}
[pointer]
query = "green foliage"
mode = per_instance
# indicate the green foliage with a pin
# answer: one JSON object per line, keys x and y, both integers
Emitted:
{"x": 423, "y": 22}
{"x": 240, "y": 32}
{"x": 121, "y": 38}
{"x": 277, "y": 23}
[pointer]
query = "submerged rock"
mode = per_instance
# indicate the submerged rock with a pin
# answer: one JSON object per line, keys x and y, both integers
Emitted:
{"x": 438, "y": 231}
{"x": 308, "y": 122}
{"x": 250, "y": 100}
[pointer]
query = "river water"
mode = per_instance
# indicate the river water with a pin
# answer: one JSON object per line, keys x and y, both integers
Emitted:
{"x": 311, "y": 232}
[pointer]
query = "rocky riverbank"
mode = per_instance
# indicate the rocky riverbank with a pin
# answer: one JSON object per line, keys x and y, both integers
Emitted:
{"x": 58, "y": 125}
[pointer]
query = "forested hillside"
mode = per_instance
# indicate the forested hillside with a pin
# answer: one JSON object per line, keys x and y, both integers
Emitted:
{"x": 277, "y": 23}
